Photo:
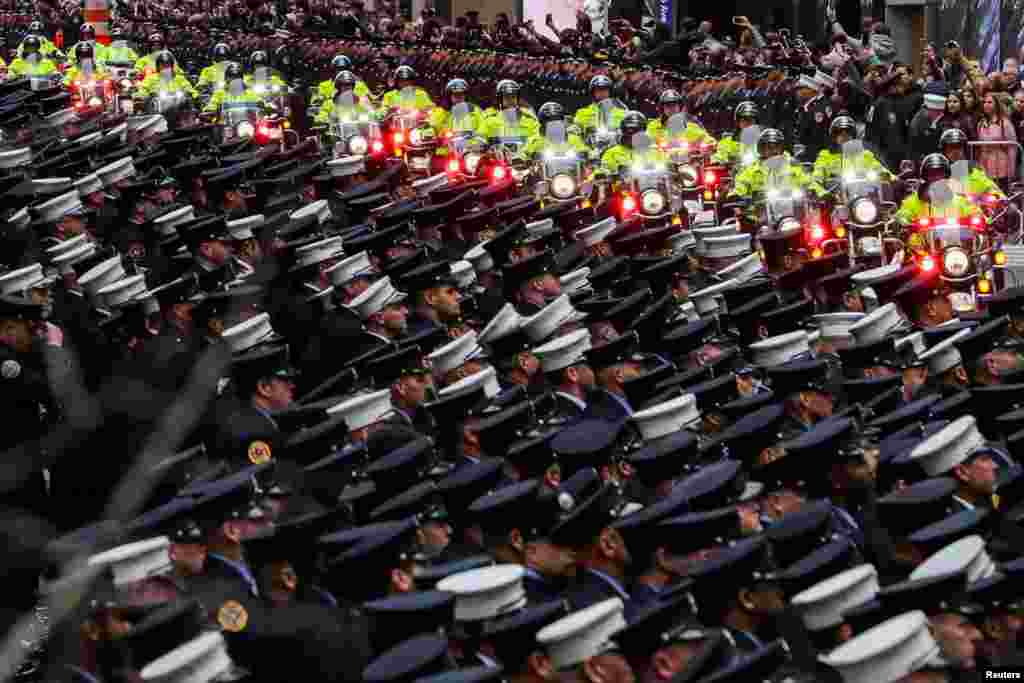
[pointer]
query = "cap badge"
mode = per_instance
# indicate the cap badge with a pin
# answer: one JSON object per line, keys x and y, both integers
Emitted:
{"x": 232, "y": 617}
{"x": 259, "y": 452}
{"x": 10, "y": 369}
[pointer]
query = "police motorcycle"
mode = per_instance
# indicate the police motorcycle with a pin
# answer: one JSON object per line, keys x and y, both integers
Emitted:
{"x": 560, "y": 169}
{"x": 959, "y": 248}
{"x": 467, "y": 151}
{"x": 173, "y": 104}
{"x": 861, "y": 221}
{"x": 784, "y": 208}
{"x": 645, "y": 186}
{"x": 351, "y": 131}
{"x": 507, "y": 150}
{"x": 604, "y": 135}
{"x": 91, "y": 95}
{"x": 740, "y": 209}
{"x": 275, "y": 125}
{"x": 698, "y": 184}
{"x": 408, "y": 135}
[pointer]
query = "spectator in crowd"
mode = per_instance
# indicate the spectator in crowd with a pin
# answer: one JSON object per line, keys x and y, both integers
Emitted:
{"x": 998, "y": 161}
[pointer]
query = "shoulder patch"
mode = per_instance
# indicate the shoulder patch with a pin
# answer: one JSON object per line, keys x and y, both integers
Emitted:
{"x": 259, "y": 452}
{"x": 232, "y": 617}
{"x": 10, "y": 369}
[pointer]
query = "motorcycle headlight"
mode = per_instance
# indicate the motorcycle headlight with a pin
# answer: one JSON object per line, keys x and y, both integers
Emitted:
{"x": 563, "y": 186}
{"x": 415, "y": 137}
{"x": 245, "y": 129}
{"x": 864, "y": 211}
{"x": 357, "y": 145}
{"x": 956, "y": 262}
{"x": 472, "y": 161}
{"x": 95, "y": 102}
{"x": 689, "y": 175}
{"x": 652, "y": 201}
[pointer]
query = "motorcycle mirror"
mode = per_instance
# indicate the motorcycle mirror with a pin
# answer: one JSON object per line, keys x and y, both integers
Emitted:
{"x": 555, "y": 132}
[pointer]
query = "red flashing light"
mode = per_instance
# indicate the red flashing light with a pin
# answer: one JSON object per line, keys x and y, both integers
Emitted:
{"x": 976, "y": 221}
{"x": 629, "y": 203}
{"x": 710, "y": 178}
{"x": 499, "y": 173}
{"x": 924, "y": 222}
{"x": 377, "y": 147}
{"x": 927, "y": 264}
{"x": 399, "y": 138}
{"x": 817, "y": 233}
{"x": 453, "y": 166}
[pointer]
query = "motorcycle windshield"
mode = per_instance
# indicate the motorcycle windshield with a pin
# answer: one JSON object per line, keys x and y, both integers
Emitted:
{"x": 168, "y": 102}
{"x": 858, "y": 179}
{"x": 87, "y": 68}
{"x": 345, "y": 109}
{"x": 942, "y": 202}
{"x": 407, "y": 99}
{"x": 559, "y": 157}
{"x": 959, "y": 172}
{"x": 462, "y": 119}
{"x": 235, "y": 113}
{"x": 647, "y": 170}
{"x": 748, "y": 145}
{"x": 263, "y": 81}
{"x": 783, "y": 197}
{"x": 676, "y": 143}
{"x": 605, "y": 113}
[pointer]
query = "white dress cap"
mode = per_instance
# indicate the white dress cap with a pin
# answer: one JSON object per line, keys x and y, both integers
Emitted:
{"x": 70, "y": 257}
{"x": 780, "y": 348}
{"x": 681, "y": 241}
{"x": 667, "y": 418}
{"x": 101, "y": 275}
{"x": 487, "y": 592}
{"x": 547, "y": 320}
{"x": 808, "y": 82}
{"x": 876, "y": 325}
{"x": 51, "y": 186}
{"x": 317, "y": 252}
{"x": 727, "y": 246}
{"x": 561, "y": 352}
{"x": 948, "y": 447}
{"x": 364, "y": 410}
{"x": 702, "y": 233}
{"x": 577, "y": 637}
{"x": 201, "y": 660}
{"x": 596, "y": 233}
{"x": 455, "y": 353}
{"x": 89, "y": 184}
{"x": 886, "y": 653}
{"x": 463, "y": 273}
{"x": 744, "y": 269}
{"x": 480, "y": 258}
{"x": 822, "y": 605}
{"x": 122, "y": 292}
{"x": 134, "y": 562}
{"x": 320, "y": 208}
{"x": 967, "y": 555}
{"x": 116, "y": 171}
{"x": 705, "y": 301}
{"x": 146, "y": 126}
{"x": 425, "y": 186}
{"x": 373, "y": 300}
{"x": 544, "y": 226}
{"x": 242, "y": 228}
{"x": 866, "y": 277}
{"x": 346, "y": 270}
{"x": 118, "y": 131}
{"x": 836, "y": 325}
{"x": 17, "y": 281}
{"x": 486, "y": 378}
{"x": 20, "y": 218}
{"x": 13, "y": 158}
{"x": 248, "y": 333}
{"x": 165, "y": 225}
{"x": 346, "y": 166}
{"x": 60, "y": 118}
{"x": 914, "y": 341}
{"x": 944, "y": 355}
{"x": 576, "y": 281}
{"x": 60, "y": 206}
{"x": 505, "y": 322}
